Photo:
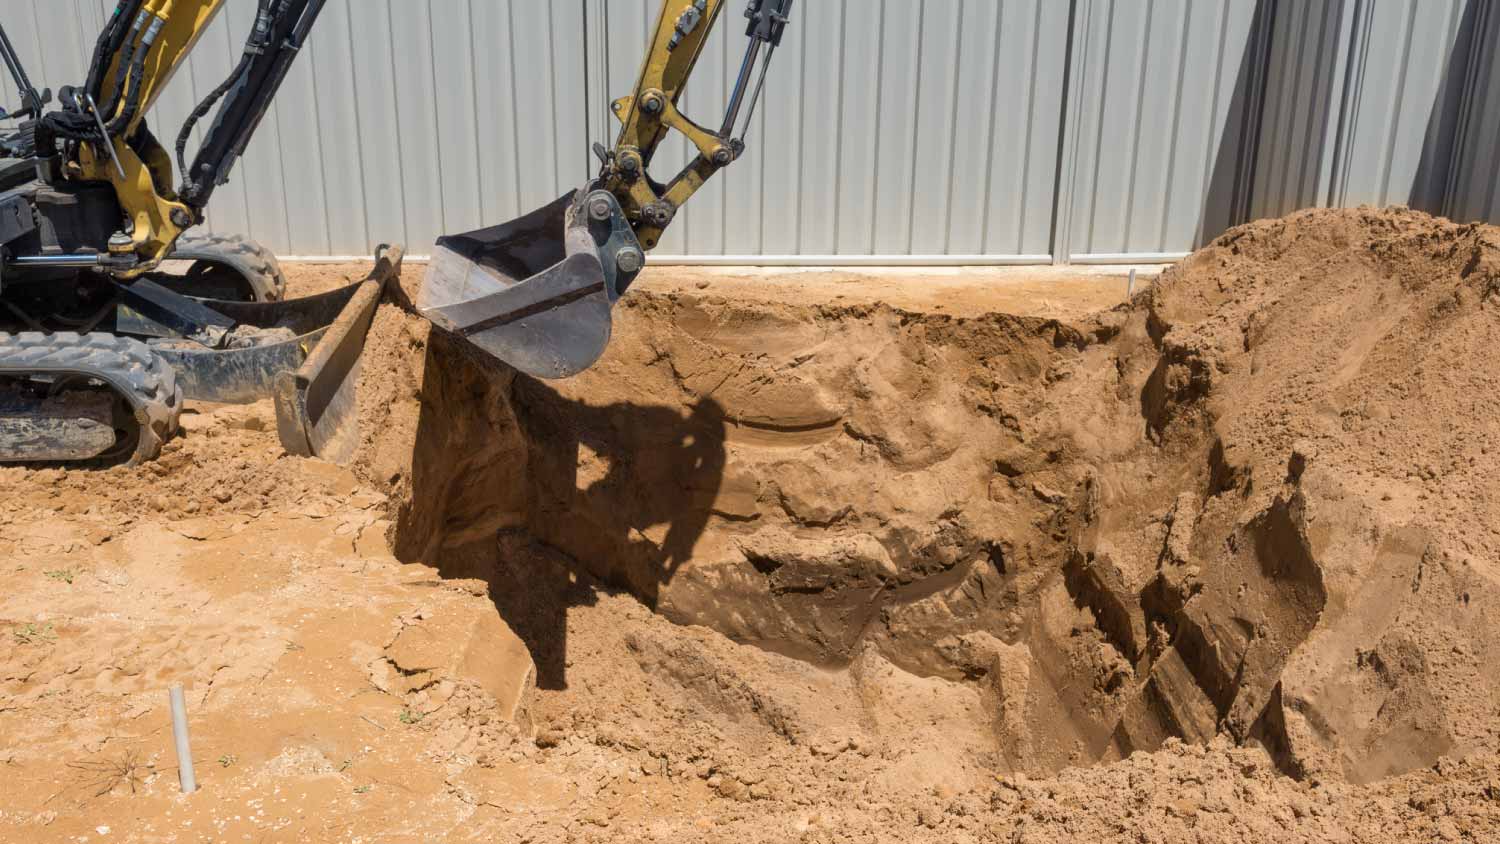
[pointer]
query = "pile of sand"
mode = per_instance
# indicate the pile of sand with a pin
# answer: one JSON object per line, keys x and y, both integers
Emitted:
{"x": 814, "y": 562}
{"x": 1255, "y": 502}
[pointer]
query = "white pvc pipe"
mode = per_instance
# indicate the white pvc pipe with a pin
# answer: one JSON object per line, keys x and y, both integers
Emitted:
{"x": 180, "y": 736}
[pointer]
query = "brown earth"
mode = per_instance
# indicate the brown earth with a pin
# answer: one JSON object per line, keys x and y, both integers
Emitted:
{"x": 816, "y": 557}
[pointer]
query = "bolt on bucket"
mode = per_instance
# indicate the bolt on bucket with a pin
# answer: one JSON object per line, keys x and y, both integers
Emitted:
{"x": 536, "y": 292}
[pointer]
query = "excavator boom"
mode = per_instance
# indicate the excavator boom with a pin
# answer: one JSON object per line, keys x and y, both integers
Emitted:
{"x": 92, "y": 205}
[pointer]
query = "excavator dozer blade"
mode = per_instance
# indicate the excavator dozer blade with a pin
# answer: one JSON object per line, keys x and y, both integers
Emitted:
{"x": 317, "y": 414}
{"x": 536, "y": 292}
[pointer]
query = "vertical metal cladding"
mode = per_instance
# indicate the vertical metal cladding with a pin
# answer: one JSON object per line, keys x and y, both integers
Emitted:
{"x": 1163, "y": 88}
{"x": 1300, "y": 115}
{"x": 1002, "y": 131}
{"x": 1473, "y": 190}
{"x": 897, "y": 127}
{"x": 1396, "y": 136}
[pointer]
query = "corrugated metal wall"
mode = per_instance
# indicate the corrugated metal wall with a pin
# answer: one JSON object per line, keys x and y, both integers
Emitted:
{"x": 1159, "y": 104}
{"x": 890, "y": 127}
{"x": 1474, "y": 187}
{"x": 1399, "y": 120}
{"x": 958, "y": 130}
{"x": 1363, "y": 102}
{"x": 1300, "y": 113}
{"x": 399, "y": 122}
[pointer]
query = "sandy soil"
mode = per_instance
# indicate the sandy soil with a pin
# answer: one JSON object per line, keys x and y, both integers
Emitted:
{"x": 817, "y": 557}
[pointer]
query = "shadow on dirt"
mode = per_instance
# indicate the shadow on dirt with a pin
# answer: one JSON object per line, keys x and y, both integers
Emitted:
{"x": 505, "y": 468}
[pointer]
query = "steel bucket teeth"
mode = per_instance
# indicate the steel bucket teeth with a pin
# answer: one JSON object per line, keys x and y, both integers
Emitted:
{"x": 536, "y": 292}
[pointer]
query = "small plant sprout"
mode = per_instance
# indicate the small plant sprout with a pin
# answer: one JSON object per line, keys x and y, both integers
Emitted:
{"x": 32, "y": 633}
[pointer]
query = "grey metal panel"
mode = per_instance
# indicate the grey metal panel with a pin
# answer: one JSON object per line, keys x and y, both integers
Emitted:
{"x": 1005, "y": 128}
{"x": 1161, "y": 97}
{"x": 1295, "y": 167}
{"x": 206, "y": 67}
{"x": 336, "y": 99}
{"x": 895, "y": 123}
{"x": 899, "y": 127}
{"x": 254, "y": 200}
{"x": 433, "y": 116}
{"x": 54, "y": 39}
{"x": 1396, "y": 132}
{"x": 377, "y": 140}
{"x": 985, "y": 128}
{"x": 401, "y": 120}
{"x": 1474, "y": 189}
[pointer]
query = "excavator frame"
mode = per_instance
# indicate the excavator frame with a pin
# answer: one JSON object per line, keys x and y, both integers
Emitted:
{"x": 88, "y": 230}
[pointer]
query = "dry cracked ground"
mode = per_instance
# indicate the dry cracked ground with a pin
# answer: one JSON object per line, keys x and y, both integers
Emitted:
{"x": 815, "y": 557}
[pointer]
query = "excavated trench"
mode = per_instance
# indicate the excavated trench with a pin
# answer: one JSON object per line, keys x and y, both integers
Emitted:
{"x": 1245, "y": 503}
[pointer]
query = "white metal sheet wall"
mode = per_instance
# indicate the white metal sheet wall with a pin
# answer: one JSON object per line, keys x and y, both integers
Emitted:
{"x": 1396, "y": 135}
{"x": 899, "y": 127}
{"x": 1362, "y": 103}
{"x": 1474, "y": 187}
{"x": 399, "y": 121}
{"x": 1159, "y": 106}
{"x": 902, "y": 127}
{"x": 1300, "y": 115}
{"x": 958, "y": 130}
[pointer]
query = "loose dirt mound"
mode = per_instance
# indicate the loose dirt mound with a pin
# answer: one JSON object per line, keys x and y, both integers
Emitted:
{"x": 1257, "y": 501}
{"x": 804, "y": 559}
{"x": 1332, "y": 568}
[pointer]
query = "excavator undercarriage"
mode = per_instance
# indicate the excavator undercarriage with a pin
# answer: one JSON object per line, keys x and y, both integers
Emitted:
{"x": 111, "y": 316}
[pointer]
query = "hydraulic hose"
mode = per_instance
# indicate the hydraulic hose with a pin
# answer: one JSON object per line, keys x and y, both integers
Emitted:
{"x": 255, "y": 44}
{"x": 142, "y": 51}
{"x": 109, "y": 42}
{"x": 73, "y": 122}
{"x": 130, "y": 43}
{"x": 198, "y": 113}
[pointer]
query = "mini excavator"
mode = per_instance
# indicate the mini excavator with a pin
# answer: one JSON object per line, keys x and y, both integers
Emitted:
{"x": 112, "y": 313}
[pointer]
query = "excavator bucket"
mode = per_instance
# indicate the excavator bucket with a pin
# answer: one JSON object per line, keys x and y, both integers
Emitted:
{"x": 536, "y": 292}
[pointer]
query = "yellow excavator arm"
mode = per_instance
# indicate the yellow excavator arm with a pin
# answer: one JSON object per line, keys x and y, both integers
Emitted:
{"x": 135, "y": 59}
{"x": 650, "y": 112}
{"x": 535, "y": 292}
{"x": 99, "y": 346}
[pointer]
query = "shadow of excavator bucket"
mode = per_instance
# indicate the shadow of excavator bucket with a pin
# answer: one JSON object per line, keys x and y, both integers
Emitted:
{"x": 536, "y": 292}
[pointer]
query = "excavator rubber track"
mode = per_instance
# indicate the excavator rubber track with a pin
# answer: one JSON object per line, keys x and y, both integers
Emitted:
{"x": 39, "y": 372}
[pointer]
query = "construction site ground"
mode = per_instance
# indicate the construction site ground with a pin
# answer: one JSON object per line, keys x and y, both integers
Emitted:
{"x": 966, "y": 556}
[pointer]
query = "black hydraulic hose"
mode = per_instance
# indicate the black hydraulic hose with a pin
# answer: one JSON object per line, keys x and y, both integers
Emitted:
{"x": 255, "y": 44}
{"x": 247, "y": 102}
{"x": 101, "y": 49}
{"x": 137, "y": 81}
{"x": 122, "y": 68}
{"x": 109, "y": 41}
{"x": 198, "y": 113}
